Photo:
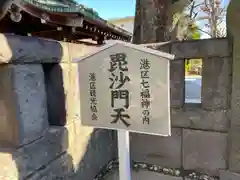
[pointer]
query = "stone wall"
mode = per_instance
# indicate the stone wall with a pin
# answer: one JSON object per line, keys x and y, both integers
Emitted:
{"x": 41, "y": 133}
{"x": 199, "y": 131}
{"x": 41, "y": 136}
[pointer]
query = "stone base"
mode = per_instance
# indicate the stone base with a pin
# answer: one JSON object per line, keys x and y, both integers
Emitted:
{"x": 227, "y": 175}
{"x": 71, "y": 152}
{"x": 23, "y": 106}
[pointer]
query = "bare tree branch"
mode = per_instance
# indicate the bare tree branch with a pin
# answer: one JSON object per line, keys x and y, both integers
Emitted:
{"x": 214, "y": 14}
{"x": 195, "y": 15}
{"x": 192, "y": 8}
{"x": 206, "y": 4}
{"x": 204, "y": 31}
{"x": 202, "y": 18}
{"x": 200, "y": 4}
{"x": 219, "y": 22}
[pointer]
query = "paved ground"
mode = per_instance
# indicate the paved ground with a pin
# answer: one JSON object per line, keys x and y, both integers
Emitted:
{"x": 193, "y": 89}
{"x": 143, "y": 175}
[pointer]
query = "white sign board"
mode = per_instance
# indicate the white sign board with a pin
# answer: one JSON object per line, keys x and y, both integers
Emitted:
{"x": 126, "y": 87}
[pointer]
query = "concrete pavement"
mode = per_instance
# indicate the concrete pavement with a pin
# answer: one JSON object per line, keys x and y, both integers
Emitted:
{"x": 143, "y": 175}
{"x": 193, "y": 89}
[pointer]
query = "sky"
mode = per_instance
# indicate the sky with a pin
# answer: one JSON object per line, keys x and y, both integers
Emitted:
{"x": 222, "y": 25}
{"x": 110, "y": 9}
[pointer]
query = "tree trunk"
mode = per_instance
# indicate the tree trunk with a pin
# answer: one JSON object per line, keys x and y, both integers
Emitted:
{"x": 151, "y": 21}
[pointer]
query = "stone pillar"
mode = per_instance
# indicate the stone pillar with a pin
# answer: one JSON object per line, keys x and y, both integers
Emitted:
{"x": 216, "y": 83}
{"x": 233, "y": 27}
{"x": 23, "y": 104}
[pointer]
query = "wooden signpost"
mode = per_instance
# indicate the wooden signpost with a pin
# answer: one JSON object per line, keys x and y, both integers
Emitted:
{"x": 125, "y": 87}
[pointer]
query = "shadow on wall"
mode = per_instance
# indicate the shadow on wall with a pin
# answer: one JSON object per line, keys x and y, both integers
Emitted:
{"x": 35, "y": 136}
{"x": 55, "y": 94}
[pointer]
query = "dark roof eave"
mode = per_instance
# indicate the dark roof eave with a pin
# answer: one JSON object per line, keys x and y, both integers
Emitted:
{"x": 30, "y": 8}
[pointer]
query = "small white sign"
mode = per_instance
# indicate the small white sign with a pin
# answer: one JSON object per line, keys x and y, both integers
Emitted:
{"x": 126, "y": 87}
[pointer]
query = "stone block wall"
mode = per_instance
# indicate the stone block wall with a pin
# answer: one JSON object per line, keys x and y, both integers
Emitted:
{"x": 199, "y": 145}
{"x": 41, "y": 137}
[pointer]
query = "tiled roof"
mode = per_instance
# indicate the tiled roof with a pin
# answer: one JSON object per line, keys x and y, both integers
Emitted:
{"x": 71, "y": 6}
{"x": 63, "y": 6}
{"x": 121, "y": 20}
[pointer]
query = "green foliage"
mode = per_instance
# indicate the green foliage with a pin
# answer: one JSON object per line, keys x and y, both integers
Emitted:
{"x": 187, "y": 66}
{"x": 185, "y": 27}
{"x": 196, "y": 34}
